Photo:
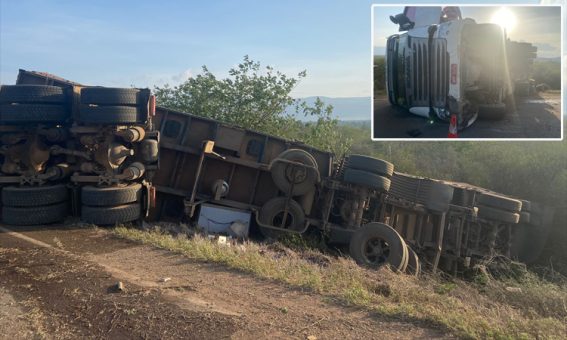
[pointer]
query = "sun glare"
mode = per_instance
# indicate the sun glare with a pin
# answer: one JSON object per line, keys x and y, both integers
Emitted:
{"x": 505, "y": 18}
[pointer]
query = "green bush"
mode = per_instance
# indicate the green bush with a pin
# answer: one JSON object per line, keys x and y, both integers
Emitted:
{"x": 259, "y": 99}
{"x": 548, "y": 72}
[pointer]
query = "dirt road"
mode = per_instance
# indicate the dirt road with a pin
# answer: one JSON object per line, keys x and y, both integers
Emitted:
{"x": 58, "y": 282}
{"x": 537, "y": 117}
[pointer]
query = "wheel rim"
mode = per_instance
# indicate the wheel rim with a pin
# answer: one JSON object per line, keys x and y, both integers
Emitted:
{"x": 295, "y": 174}
{"x": 376, "y": 251}
{"x": 279, "y": 217}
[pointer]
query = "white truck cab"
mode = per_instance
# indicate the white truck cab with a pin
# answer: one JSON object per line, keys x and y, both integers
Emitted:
{"x": 447, "y": 65}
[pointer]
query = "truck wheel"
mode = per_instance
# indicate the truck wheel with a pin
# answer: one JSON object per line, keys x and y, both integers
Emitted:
{"x": 108, "y": 114}
{"x": 111, "y": 215}
{"x": 370, "y": 164}
{"x": 111, "y": 196}
{"x": 499, "y": 202}
{"x": 366, "y": 179}
{"x": 35, "y": 215}
{"x": 34, "y": 196}
{"x": 492, "y": 111}
{"x": 414, "y": 265}
{"x": 110, "y": 96}
{"x": 33, "y": 113}
{"x": 491, "y": 213}
{"x": 272, "y": 213}
{"x": 305, "y": 178}
{"x": 32, "y": 94}
{"x": 376, "y": 244}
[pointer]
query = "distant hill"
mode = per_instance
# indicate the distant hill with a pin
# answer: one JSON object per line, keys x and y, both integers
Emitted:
{"x": 356, "y": 123}
{"x": 345, "y": 109}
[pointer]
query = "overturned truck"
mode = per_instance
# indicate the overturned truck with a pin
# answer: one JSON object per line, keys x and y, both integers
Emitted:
{"x": 442, "y": 65}
{"x": 129, "y": 160}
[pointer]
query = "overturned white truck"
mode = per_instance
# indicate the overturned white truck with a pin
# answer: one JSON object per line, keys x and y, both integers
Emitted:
{"x": 112, "y": 156}
{"x": 445, "y": 65}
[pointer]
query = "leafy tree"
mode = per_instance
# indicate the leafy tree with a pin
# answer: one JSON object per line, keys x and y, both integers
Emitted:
{"x": 255, "y": 98}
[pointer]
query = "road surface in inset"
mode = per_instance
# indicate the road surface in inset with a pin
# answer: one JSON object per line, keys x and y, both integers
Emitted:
{"x": 535, "y": 117}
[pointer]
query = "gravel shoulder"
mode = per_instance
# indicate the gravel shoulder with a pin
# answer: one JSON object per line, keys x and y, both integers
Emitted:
{"x": 65, "y": 278}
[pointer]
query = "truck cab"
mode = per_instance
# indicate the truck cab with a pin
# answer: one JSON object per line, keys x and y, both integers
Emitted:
{"x": 448, "y": 66}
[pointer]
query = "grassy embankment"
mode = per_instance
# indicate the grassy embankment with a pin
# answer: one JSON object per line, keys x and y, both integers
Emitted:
{"x": 533, "y": 308}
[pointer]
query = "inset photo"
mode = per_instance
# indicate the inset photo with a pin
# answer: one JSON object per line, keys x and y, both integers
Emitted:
{"x": 468, "y": 72}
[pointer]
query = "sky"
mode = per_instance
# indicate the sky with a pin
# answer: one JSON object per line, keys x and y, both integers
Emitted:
{"x": 538, "y": 25}
{"x": 146, "y": 43}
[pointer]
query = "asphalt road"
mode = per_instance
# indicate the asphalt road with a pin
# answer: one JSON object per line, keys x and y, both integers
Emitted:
{"x": 535, "y": 117}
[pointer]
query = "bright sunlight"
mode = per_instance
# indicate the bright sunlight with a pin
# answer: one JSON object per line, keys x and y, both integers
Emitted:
{"x": 505, "y": 18}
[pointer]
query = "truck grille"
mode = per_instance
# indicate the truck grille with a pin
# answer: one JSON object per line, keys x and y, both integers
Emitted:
{"x": 419, "y": 70}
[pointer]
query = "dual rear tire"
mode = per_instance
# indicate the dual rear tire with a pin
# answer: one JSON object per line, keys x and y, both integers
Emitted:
{"x": 368, "y": 172}
{"x": 377, "y": 244}
{"x": 111, "y": 205}
{"x": 28, "y": 206}
{"x": 105, "y": 105}
{"x": 25, "y": 104}
{"x": 24, "y": 205}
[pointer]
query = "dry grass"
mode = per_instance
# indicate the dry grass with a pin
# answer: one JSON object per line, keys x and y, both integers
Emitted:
{"x": 464, "y": 309}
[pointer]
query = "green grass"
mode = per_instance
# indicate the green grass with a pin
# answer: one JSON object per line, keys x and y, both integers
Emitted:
{"x": 464, "y": 309}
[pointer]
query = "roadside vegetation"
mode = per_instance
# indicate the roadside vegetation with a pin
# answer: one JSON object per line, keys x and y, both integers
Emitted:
{"x": 520, "y": 307}
{"x": 548, "y": 72}
{"x": 256, "y": 97}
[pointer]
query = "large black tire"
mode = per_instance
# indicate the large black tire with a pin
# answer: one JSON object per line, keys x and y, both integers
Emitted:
{"x": 108, "y": 114}
{"x": 495, "y": 214}
{"x": 32, "y": 94}
{"x": 272, "y": 213}
{"x": 34, "y": 196}
{"x": 281, "y": 172}
{"x": 110, "y": 96}
{"x": 499, "y": 202}
{"x": 376, "y": 244}
{"x": 370, "y": 164}
{"x": 414, "y": 265}
{"x": 366, "y": 179}
{"x": 111, "y": 196}
{"x": 33, "y": 113}
{"x": 111, "y": 215}
{"x": 35, "y": 215}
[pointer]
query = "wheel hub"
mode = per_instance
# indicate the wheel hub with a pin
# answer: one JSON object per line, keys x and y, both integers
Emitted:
{"x": 376, "y": 251}
{"x": 295, "y": 174}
